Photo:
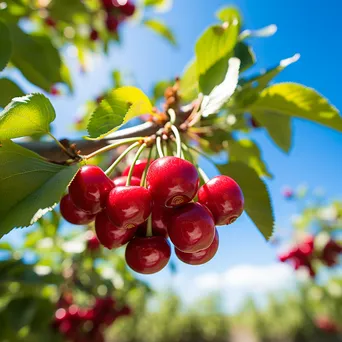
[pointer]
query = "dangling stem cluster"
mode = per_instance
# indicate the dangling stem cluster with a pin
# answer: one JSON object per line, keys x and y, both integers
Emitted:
{"x": 143, "y": 177}
{"x": 137, "y": 155}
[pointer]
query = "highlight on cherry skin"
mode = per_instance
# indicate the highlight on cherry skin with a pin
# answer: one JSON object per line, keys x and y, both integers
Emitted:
{"x": 157, "y": 208}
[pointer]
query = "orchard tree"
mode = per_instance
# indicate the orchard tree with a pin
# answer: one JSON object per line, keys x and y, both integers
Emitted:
{"x": 143, "y": 198}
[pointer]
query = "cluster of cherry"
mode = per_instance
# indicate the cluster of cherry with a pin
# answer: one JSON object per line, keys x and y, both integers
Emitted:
{"x": 120, "y": 211}
{"x": 326, "y": 324}
{"x": 86, "y": 325}
{"x": 117, "y": 11}
{"x": 303, "y": 254}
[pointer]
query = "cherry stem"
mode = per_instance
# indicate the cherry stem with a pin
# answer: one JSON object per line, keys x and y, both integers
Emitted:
{"x": 122, "y": 156}
{"x": 172, "y": 115}
{"x": 185, "y": 149}
{"x": 143, "y": 177}
{"x": 178, "y": 140}
{"x": 203, "y": 175}
{"x": 136, "y": 157}
{"x": 149, "y": 231}
{"x": 112, "y": 146}
{"x": 159, "y": 147}
{"x": 61, "y": 146}
{"x": 165, "y": 148}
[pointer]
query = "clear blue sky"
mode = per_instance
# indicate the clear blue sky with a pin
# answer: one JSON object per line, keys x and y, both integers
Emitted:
{"x": 310, "y": 27}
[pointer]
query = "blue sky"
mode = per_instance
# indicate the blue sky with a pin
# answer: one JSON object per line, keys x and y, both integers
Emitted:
{"x": 310, "y": 27}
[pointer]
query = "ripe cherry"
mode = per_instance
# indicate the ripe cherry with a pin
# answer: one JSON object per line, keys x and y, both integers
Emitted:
{"x": 202, "y": 256}
{"x": 89, "y": 189}
{"x": 128, "y": 206}
{"x": 160, "y": 218}
{"x": 50, "y": 22}
{"x": 54, "y": 91}
{"x": 72, "y": 214}
{"x": 191, "y": 228}
{"x": 172, "y": 181}
{"x": 138, "y": 170}
{"x": 108, "y": 4}
{"x": 109, "y": 235}
{"x": 128, "y": 9}
{"x": 223, "y": 197}
{"x": 121, "y": 181}
{"x": 94, "y": 35}
{"x": 112, "y": 22}
{"x": 148, "y": 255}
{"x": 93, "y": 243}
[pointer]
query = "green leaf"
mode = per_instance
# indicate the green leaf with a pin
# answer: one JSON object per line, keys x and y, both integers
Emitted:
{"x": 6, "y": 46}
{"x": 37, "y": 59}
{"x": 9, "y": 90}
{"x": 246, "y": 55}
{"x": 189, "y": 82}
{"x": 216, "y": 42}
{"x": 160, "y": 28}
{"x": 248, "y": 152}
{"x": 119, "y": 106}
{"x": 278, "y": 127}
{"x": 153, "y": 2}
{"x": 32, "y": 186}
{"x": 25, "y": 116}
{"x": 229, "y": 14}
{"x": 5, "y": 246}
{"x": 57, "y": 9}
{"x": 257, "y": 200}
{"x": 296, "y": 100}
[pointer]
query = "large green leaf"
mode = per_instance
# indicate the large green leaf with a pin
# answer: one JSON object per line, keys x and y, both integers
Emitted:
{"x": 215, "y": 43}
{"x": 30, "y": 186}
{"x": 25, "y": 116}
{"x": 160, "y": 28}
{"x": 6, "y": 46}
{"x": 229, "y": 13}
{"x": 257, "y": 200}
{"x": 296, "y": 100}
{"x": 37, "y": 59}
{"x": 248, "y": 152}
{"x": 9, "y": 90}
{"x": 119, "y": 106}
{"x": 279, "y": 128}
{"x": 189, "y": 82}
{"x": 246, "y": 55}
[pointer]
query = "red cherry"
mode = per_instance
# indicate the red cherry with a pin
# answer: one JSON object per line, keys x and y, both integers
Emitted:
{"x": 93, "y": 243}
{"x": 50, "y": 22}
{"x": 112, "y": 22}
{"x": 138, "y": 170}
{"x": 148, "y": 255}
{"x": 108, "y": 4}
{"x": 191, "y": 228}
{"x": 72, "y": 214}
{"x": 94, "y": 35}
{"x": 172, "y": 181}
{"x": 223, "y": 197}
{"x": 128, "y": 9}
{"x": 109, "y": 235}
{"x": 128, "y": 206}
{"x": 121, "y": 181}
{"x": 160, "y": 218}
{"x": 54, "y": 91}
{"x": 202, "y": 256}
{"x": 89, "y": 189}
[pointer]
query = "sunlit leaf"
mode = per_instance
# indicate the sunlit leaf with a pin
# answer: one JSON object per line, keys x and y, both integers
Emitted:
{"x": 162, "y": 29}
{"x": 6, "y": 45}
{"x": 119, "y": 106}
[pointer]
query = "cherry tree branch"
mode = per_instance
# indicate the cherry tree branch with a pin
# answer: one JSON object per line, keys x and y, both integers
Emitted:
{"x": 50, "y": 150}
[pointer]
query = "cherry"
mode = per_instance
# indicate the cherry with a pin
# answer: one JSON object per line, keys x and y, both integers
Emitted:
{"x": 191, "y": 228}
{"x": 223, "y": 197}
{"x": 128, "y": 206}
{"x": 94, "y": 35}
{"x": 202, "y": 256}
{"x": 148, "y": 255}
{"x": 93, "y": 243}
{"x": 72, "y": 214}
{"x": 128, "y": 9}
{"x": 108, "y": 4}
{"x": 54, "y": 91}
{"x": 172, "y": 181}
{"x": 112, "y": 22}
{"x": 138, "y": 169}
{"x": 89, "y": 189}
{"x": 121, "y": 181}
{"x": 50, "y": 22}
{"x": 160, "y": 219}
{"x": 109, "y": 235}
